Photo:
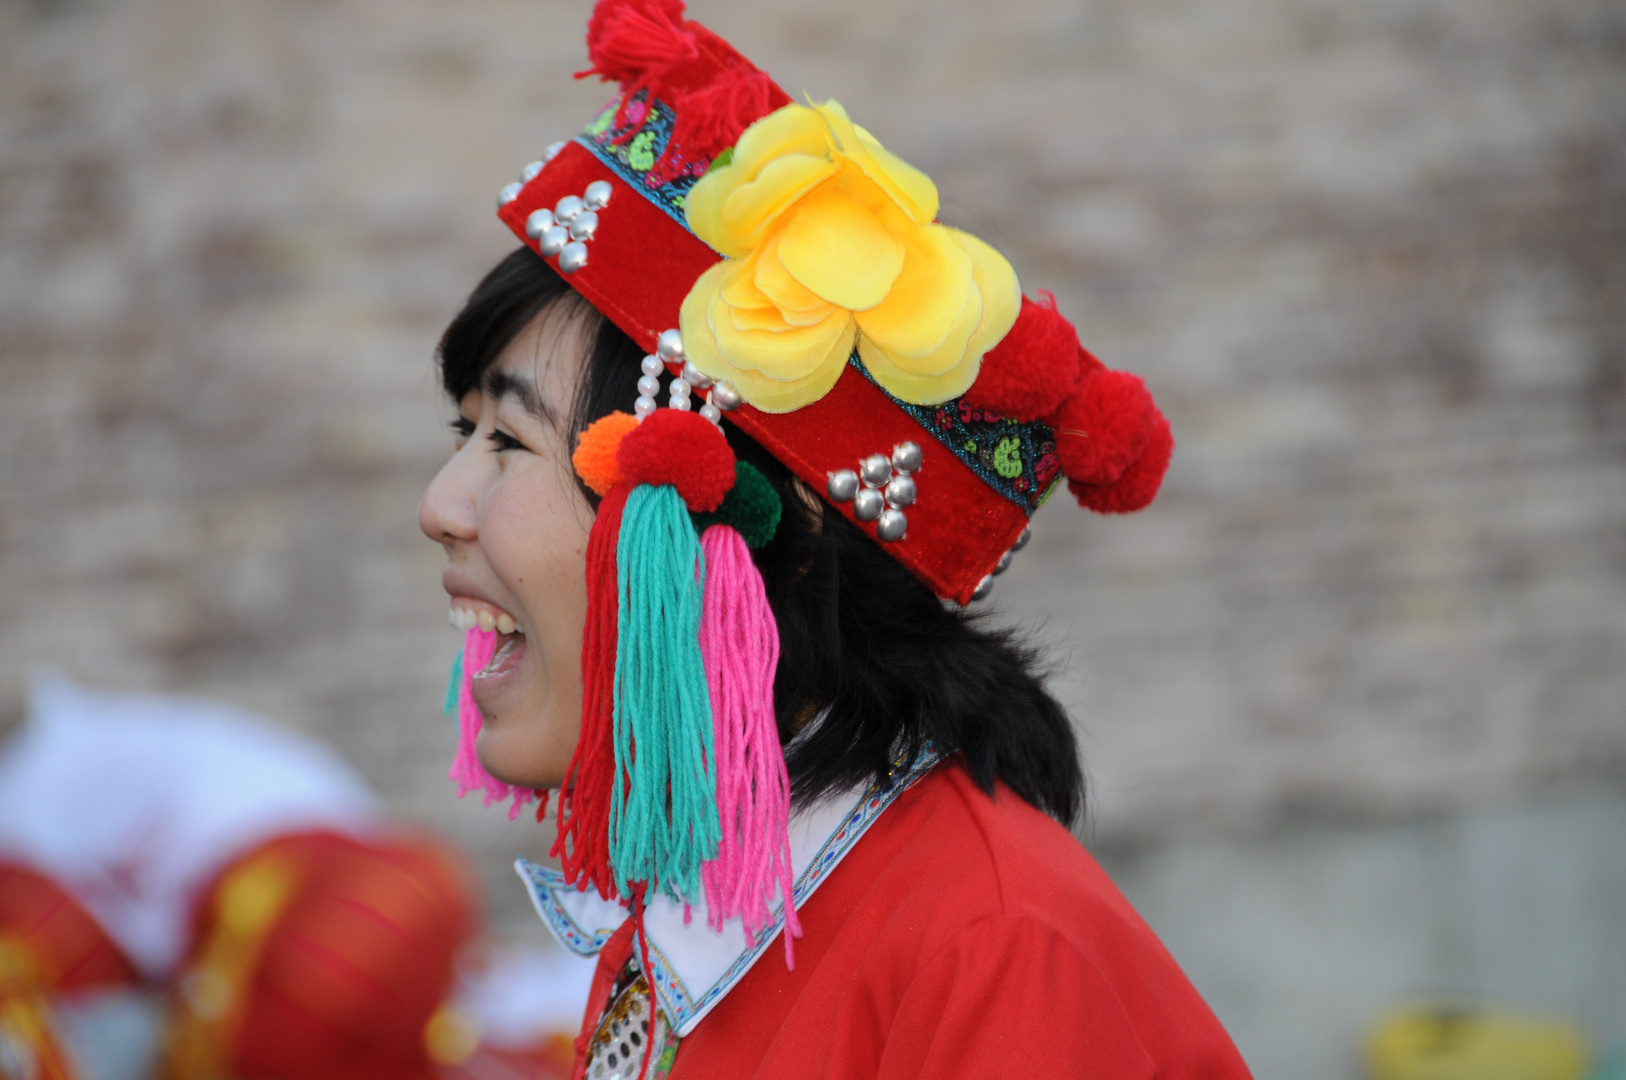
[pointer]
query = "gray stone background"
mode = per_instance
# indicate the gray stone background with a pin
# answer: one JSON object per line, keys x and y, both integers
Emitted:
{"x": 1352, "y": 694}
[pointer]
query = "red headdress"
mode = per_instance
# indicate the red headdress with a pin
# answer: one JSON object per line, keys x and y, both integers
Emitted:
{"x": 787, "y": 275}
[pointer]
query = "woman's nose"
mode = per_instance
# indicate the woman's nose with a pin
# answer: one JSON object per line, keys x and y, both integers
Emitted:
{"x": 446, "y": 514}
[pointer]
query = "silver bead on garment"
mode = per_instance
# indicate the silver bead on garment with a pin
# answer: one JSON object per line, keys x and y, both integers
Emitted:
{"x": 695, "y": 377}
{"x": 711, "y": 412}
{"x": 643, "y": 407}
{"x": 538, "y": 223}
{"x": 724, "y": 396}
{"x": 554, "y": 240}
{"x": 508, "y": 194}
{"x": 891, "y": 525}
{"x": 670, "y": 345}
{"x": 573, "y": 257}
{"x": 566, "y": 209}
{"x": 1022, "y": 541}
{"x": 680, "y": 388}
{"x": 552, "y": 151}
{"x": 875, "y": 470}
{"x": 1003, "y": 564}
{"x": 681, "y": 404}
{"x": 585, "y": 225}
{"x": 652, "y": 365}
{"x": 984, "y": 587}
{"x": 906, "y": 457}
{"x": 900, "y": 491}
{"x": 528, "y": 173}
{"x": 843, "y": 485}
{"x": 868, "y": 504}
{"x": 597, "y": 195}
{"x": 649, "y": 386}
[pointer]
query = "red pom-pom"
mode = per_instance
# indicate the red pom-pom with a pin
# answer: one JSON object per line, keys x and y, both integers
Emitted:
{"x": 1138, "y": 485}
{"x": 1034, "y": 368}
{"x": 1103, "y": 429}
{"x": 683, "y": 449}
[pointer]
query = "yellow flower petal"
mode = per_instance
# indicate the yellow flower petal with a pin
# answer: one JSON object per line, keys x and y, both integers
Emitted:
{"x": 755, "y": 206}
{"x": 791, "y": 129}
{"x": 839, "y": 251}
{"x": 782, "y": 353}
{"x": 910, "y": 188}
{"x": 736, "y": 286}
{"x": 773, "y": 396}
{"x": 703, "y": 209}
{"x": 1000, "y": 290}
{"x": 927, "y": 300}
{"x": 799, "y": 306}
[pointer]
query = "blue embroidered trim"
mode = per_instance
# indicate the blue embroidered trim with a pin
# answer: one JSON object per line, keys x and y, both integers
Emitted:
{"x": 544, "y": 884}
{"x": 1015, "y": 459}
{"x": 633, "y": 158}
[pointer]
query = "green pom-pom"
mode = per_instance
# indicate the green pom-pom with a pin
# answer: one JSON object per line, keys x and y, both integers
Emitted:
{"x": 751, "y": 507}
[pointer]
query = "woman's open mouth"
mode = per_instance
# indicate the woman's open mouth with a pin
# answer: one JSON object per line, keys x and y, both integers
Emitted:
{"x": 468, "y": 614}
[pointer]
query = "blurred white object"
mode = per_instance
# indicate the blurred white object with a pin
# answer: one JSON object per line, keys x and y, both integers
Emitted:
{"x": 112, "y": 1034}
{"x": 523, "y": 993}
{"x": 132, "y": 802}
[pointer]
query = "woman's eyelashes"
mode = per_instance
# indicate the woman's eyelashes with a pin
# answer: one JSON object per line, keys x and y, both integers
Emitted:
{"x": 464, "y": 427}
{"x": 504, "y": 441}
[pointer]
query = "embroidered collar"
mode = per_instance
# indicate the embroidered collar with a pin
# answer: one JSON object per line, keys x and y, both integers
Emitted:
{"x": 695, "y": 966}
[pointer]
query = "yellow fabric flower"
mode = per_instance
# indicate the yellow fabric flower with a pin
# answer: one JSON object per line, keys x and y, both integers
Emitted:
{"x": 829, "y": 238}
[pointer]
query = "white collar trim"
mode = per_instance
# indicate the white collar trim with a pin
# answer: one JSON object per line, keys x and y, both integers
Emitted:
{"x": 695, "y": 966}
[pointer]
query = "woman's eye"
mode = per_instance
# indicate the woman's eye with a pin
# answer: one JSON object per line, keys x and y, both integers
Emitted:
{"x": 505, "y": 441}
{"x": 463, "y": 426}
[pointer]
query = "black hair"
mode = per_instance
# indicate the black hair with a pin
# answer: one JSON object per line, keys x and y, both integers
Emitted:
{"x": 862, "y": 641}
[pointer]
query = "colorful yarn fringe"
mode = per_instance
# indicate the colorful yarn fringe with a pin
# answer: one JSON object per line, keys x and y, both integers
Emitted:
{"x": 663, "y": 809}
{"x": 467, "y": 772}
{"x": 583, "y": 843}
{"x": 739, "y": 641}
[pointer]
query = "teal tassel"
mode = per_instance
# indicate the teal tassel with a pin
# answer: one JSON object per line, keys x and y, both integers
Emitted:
{"x": 452, "y": 688}
{"x": 663, "y": 809}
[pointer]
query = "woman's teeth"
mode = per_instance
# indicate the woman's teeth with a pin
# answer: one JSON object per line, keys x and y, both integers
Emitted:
{"x": 468, "y": 619}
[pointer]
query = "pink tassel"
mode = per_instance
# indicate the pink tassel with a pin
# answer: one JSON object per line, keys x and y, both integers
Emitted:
{"x": 739, "y": 643}
{"x": 467, "y": 772}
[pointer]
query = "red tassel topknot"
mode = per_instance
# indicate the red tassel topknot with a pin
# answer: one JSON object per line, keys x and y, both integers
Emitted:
{"x": 1138, "y": 485}
{"x": 1034, "y": 368}
{"x": 637, "y": 43}
{"x": 683, "y": 449}
{"x": 1104, "y": 428}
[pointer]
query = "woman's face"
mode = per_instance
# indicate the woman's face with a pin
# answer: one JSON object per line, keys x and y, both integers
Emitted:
{"x": 514, "y": 525}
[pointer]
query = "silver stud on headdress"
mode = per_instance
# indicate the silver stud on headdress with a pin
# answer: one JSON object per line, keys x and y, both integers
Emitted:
{"x": 880, "y": 489}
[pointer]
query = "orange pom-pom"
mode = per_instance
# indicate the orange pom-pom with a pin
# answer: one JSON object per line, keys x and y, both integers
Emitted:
{"x": 596, "y": 449}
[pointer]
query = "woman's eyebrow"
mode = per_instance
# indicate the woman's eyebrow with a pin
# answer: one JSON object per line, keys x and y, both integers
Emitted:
{"x": 501, "y": 384}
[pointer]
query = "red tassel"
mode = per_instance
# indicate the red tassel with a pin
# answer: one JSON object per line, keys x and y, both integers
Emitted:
{"x": 710, "y": 120}
{"x": 583, "y": 843}
{"x": 637, "y": 43}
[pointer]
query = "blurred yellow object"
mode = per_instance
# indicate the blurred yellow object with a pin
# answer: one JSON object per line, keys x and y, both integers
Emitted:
{"x": 1437, "y": 1042}
{"x": 451, "y": 1037}
{"x": 29, "y": 1049}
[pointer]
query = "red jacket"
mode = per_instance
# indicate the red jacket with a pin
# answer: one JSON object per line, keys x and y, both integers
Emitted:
{"x": 962, "y": 937}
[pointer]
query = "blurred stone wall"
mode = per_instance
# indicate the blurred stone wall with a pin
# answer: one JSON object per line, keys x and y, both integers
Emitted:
{"x": 1369, "y": 256}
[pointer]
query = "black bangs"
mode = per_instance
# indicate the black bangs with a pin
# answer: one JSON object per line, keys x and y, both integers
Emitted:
{"x": 502, "y": 305}
{"x": 864, "y": 646}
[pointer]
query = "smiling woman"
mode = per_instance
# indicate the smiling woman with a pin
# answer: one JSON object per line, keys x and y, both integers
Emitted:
{"x": 732, "y": 633}
{"x": 508, "y": 510}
